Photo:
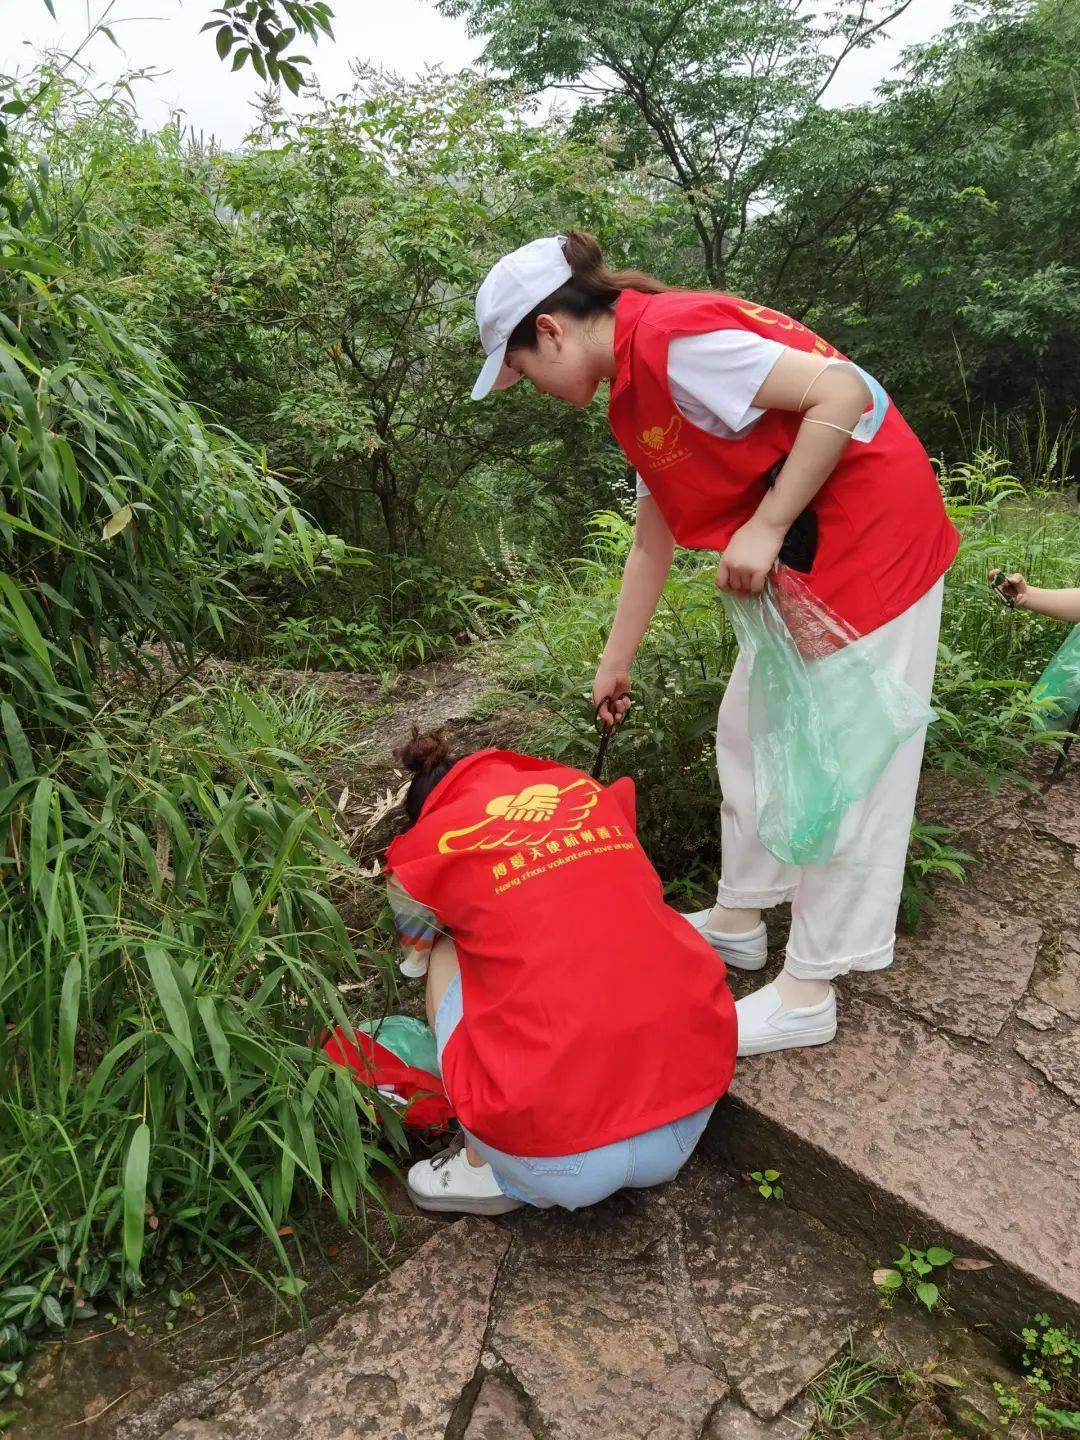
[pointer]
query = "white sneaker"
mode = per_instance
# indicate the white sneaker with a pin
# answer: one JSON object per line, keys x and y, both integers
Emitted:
{"x": 448, "y": 1182}
{"x": 748, "y": 951}
{"x": 766, "y": 1024}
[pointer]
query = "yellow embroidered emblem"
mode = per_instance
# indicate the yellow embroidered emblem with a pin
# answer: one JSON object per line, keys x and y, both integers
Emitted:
{"x": 772, "y": 317}
{"x": 530, "y": 817}
{"x": 660, "y": 440}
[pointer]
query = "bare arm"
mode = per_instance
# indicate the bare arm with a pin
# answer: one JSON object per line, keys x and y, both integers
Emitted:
{"x": 831, "y": 398}
{"x": 1058, "y": 604}
{"x": 644, "y": 574}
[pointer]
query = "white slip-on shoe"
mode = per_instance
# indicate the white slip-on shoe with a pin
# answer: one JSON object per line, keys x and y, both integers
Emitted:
{"x": 448, "y": 1182}
{"x": 749, "y": 951}
{"x": 766, "y": 1024}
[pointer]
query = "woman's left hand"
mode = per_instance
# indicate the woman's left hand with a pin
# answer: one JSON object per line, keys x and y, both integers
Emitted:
{"x": 750, "y": 555}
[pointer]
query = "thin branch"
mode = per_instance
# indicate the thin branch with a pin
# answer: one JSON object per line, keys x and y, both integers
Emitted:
{"x": 859, "y": 39}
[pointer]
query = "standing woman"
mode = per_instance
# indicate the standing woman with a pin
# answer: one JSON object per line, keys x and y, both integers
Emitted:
{"x": 743, "y": 424}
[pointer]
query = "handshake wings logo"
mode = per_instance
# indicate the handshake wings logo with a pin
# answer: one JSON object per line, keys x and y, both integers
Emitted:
{"x": 662, "y": 446}
{"x": 658, "y": 440}
{"x": 530, "y": 817}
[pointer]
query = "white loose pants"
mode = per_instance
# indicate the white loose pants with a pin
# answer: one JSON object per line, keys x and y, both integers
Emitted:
{"x": 843, "y": 913}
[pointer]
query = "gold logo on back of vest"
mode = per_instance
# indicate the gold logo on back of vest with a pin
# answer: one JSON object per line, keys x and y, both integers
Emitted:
{"x": 530, "y": 817}
{"x": 766, "y": 316}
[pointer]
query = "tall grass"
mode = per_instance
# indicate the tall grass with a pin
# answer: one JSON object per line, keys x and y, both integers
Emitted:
{"x": 169, "y": 944}
{"x": 163, "y": 990}
{"x": 1044, "y": 456}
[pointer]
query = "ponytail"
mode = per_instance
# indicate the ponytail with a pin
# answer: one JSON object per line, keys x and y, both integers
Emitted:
{"x": 591, "y": 289}
{"x": 427, "y": 758}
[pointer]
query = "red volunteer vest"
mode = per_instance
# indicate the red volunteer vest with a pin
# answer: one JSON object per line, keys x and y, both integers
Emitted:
{"x": 884, "y": 538}
{"x": 591, "y": 1010}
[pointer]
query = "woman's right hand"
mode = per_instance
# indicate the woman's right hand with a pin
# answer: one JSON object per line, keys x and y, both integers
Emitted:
{"x": 611, "y": 691}
{"x": 1015, "y": 587}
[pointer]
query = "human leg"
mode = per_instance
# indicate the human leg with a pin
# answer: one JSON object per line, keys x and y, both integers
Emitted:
{"x": 751, "y": 879}
{"x": 443, "y": 969}
{"x": 458, "y": 1179}
{"x": 844, "y": 912}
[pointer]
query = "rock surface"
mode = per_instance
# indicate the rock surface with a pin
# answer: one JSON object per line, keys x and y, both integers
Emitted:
{"x": 1036, "y": 1014}
{"x": 1062, "y": 988}
{"x": 396, "y": 1365}
{"x": 597, "y": 1353}
{"x": 1058, "y": 1058}
{"x": 917, "y": 1135}
{"x": 1057, "y": 810}
{"x": 731, "y": 1421}
{"x": 966, "y": 971}
{"x": 499, "y": 1413}
{"x": 774, "y": 1315}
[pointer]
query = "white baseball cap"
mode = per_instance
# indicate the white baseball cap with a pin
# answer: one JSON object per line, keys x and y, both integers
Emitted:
{"x": 512, "y": 287}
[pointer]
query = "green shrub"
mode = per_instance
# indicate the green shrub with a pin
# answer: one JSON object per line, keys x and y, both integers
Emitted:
{"x": 169, "y": 946}
{"x": 667, "y": 744}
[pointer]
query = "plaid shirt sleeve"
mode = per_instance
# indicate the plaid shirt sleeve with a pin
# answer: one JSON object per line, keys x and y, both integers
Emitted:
{"x": 417, "y": 928}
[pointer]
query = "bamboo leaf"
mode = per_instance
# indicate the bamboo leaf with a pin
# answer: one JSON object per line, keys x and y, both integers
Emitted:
{"x": 135, "y": 1170}
{"x": 117, "y": 523}
{"x": 39, "y": 831}
{"x": 219, "y": 1041}
{"x": 69, "y": 1020}
{"x": 18, "y": 745}
{"x": 167, "y": 982}
{"x": 27, "y": 628}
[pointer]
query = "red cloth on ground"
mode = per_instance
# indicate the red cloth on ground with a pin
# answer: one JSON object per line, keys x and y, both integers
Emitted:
{"x": 379, "y": 1066}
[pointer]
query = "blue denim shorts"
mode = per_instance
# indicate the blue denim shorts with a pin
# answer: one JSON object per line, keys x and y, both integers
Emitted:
{"x": 574, "y": 1181}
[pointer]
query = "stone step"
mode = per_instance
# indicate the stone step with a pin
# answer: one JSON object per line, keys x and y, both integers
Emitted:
{"x": 899, "y": 1132}
{"x": 699, "y": 1311}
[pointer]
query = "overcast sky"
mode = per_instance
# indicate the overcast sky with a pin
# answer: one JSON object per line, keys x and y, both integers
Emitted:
{"x": 403, "y": 35}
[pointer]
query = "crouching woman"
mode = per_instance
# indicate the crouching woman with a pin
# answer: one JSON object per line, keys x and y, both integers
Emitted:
{"x": 585, "y": 1030}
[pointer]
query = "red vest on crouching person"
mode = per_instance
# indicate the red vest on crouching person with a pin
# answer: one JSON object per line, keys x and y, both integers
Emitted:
{"x": 591, "y": 1010}
{"x": 884, "y": 538}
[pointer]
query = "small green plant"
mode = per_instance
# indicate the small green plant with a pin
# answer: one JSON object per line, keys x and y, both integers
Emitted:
{"x": 768, "y": 1184}
{"x": 1052, "y": 1354}
{"x": 1050, "y": 1393}
{"x": 911, "y": 1271}
{"x": 930, "y": 857}
{"x": 1009, "y": 1401}
{"x": 301, "y": 722}
{"x": 849, "y": 1394}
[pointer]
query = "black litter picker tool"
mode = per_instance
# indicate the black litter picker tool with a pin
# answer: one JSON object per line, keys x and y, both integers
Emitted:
{"x": 999, "y": 583}
{"x": 605, "y": 730}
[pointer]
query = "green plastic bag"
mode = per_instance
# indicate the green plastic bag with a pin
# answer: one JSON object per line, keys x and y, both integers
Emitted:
{"x": 411, "y": 1040}
{"x": 825, "y": 717}
{"x": 1060, "y": 683}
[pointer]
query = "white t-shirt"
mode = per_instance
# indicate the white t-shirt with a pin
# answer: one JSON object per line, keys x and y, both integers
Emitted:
{"x": 714, "y": 378}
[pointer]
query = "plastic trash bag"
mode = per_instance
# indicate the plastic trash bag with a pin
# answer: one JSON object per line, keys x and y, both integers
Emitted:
{"x": 410, "y": 1039}
{"x": 825, "y": 717}
{"x": 1060, "y": 683}
{"x": 397, "y": 1055}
